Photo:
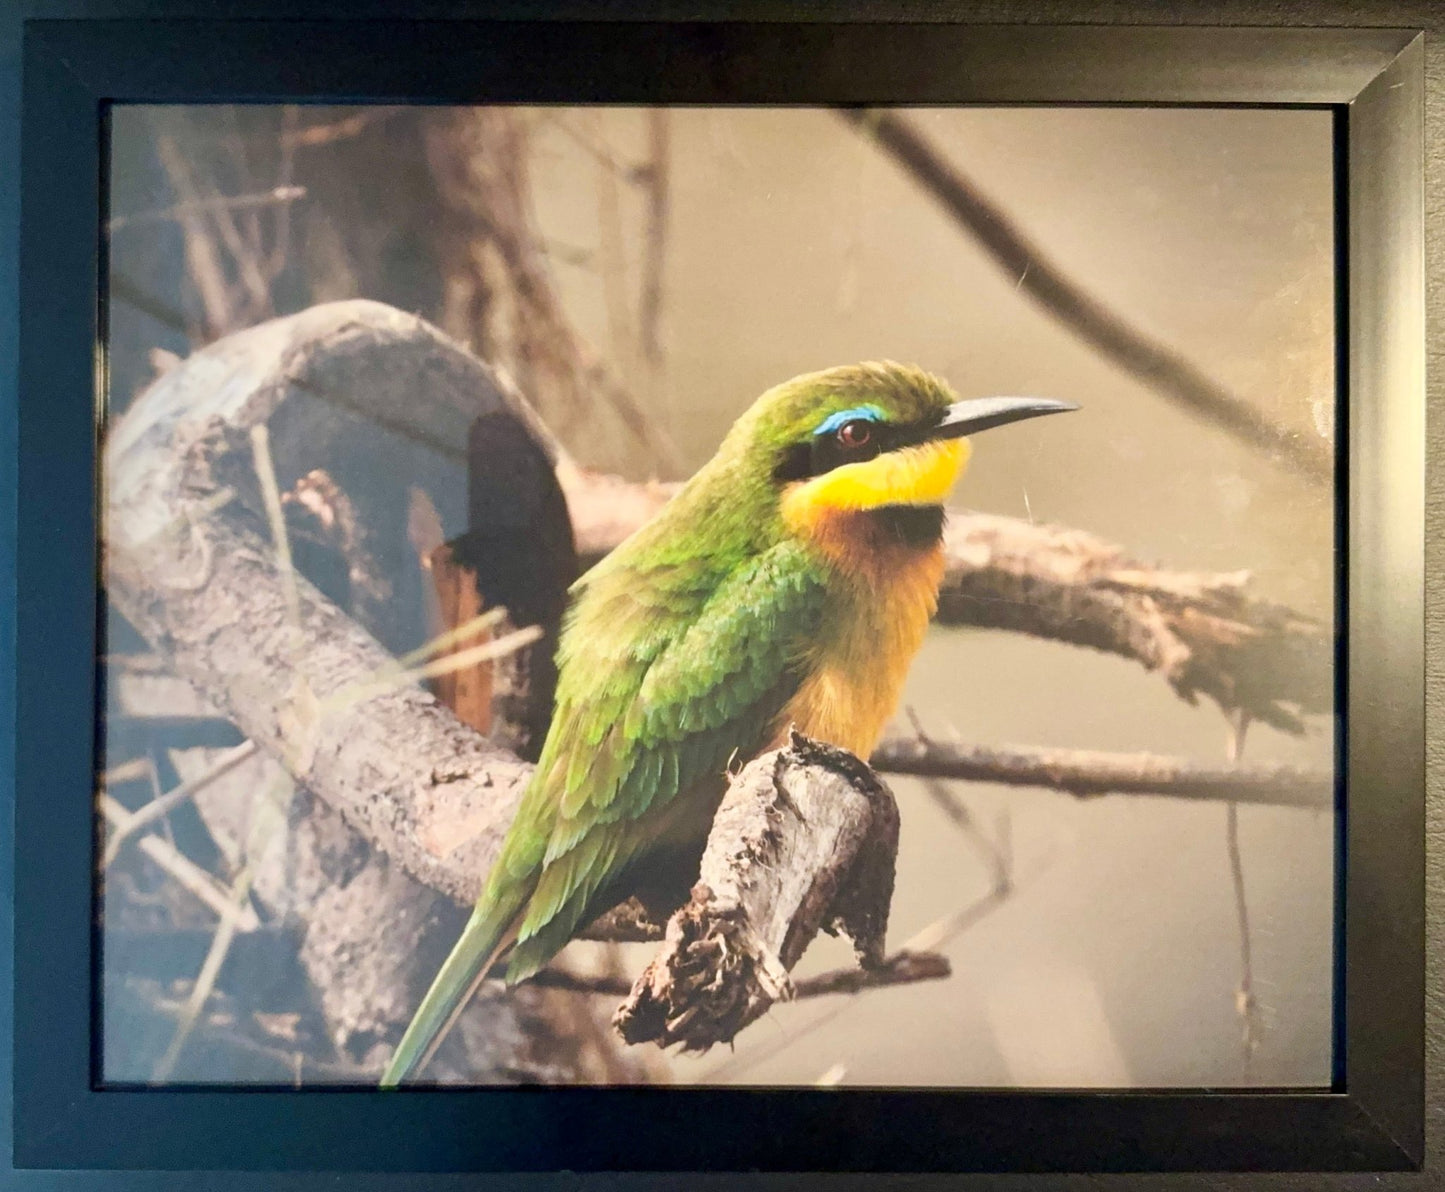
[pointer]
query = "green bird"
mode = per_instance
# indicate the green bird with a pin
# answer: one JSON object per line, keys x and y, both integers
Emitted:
{"x": 789, "y": 583}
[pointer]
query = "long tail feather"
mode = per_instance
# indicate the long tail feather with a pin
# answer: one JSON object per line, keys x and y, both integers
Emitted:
{"x": 486, "y": 936}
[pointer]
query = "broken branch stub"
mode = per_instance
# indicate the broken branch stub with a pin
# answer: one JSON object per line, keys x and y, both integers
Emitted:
{"x": 804, "y": 840}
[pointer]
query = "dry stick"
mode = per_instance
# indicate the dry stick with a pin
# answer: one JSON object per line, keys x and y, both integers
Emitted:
{"x": 154, "y": 776}
{"x": 481, "y": 623}
{"x": 610, "y": 253}
{"x": 187, "y": 874}
{"x": 329, "y": 131}
{"x": 269, "y": 198}
{"x": 1089, "y": 772}
{"x": 1153, "y": 362}
{"x": 128, "y": 771}
{"x": 594, "y": 149}
{"x": 123, "y": 289}
{"x": 245, "y": 254}
{"x": 173, "y": 798}
{"x": 924, "y": 944}
{"x": 486, "y": 652}
{"x": 1245, "y": 1005}
{"x": 279, "y": 256}
{"x": 271, "y": 496}
{"x": 498, "y": 211}
{"x": 655, "y": 177}
{"x": 202, "y": 263}
{"x": 206, "y": 978}
{"x": 238, "y": 902}
{"x": 137, "y": 664}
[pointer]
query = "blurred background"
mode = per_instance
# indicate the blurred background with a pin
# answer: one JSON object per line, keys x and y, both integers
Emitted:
{"x": 643, "y": 275}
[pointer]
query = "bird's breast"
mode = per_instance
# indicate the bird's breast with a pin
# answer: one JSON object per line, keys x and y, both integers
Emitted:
{"x": 888, "y": 564}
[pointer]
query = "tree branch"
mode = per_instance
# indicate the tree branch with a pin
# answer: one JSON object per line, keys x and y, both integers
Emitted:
{"x": 1088, "y": 772}
{"x": 804, "y": 840}
{"x": 900, "y": 968}
{"x": 1153, "y": 362}
{"x": 200, "y": 579}
{"x": 1203, "y": 632}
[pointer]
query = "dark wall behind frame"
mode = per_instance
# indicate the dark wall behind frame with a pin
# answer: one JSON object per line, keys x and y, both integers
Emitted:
{"x": 1243, "y": 13}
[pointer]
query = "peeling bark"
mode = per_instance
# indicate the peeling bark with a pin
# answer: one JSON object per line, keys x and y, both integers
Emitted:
{"x": 412, "y": 802}
{"x": 804, "y": 840}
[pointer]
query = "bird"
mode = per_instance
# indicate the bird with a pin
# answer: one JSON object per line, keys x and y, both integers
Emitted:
{"x": 787, "y": 585}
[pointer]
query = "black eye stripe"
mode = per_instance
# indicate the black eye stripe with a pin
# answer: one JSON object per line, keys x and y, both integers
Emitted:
{"x": 822, "y": 453}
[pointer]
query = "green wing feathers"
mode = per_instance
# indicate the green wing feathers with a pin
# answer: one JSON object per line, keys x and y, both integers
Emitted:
{"x": 656, "y": 698}
{"x": 670, "y": 668}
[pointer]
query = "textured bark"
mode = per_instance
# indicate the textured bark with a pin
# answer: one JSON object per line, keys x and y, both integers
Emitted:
{"x": 1202, "y": 631}
{"x": 414, "y": 801}
{"x": 804, "y": 840}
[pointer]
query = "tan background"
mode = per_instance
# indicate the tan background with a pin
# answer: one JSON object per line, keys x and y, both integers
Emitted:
{"x": 794, "y": 245}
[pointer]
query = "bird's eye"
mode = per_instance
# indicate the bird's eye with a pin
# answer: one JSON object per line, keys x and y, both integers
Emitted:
{"x": 854, "y": 434}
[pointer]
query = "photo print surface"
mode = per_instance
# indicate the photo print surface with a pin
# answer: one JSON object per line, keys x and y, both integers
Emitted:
{"x": 700, "y": 455}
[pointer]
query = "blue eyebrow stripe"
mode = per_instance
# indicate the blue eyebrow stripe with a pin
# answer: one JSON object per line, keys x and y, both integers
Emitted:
{"x": 833, "y": 421}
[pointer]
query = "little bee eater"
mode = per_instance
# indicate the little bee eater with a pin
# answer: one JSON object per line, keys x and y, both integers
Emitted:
{"x": 790, "y": 582}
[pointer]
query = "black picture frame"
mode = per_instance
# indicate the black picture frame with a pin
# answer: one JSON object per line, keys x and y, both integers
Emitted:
{"x": 1374, "y": 82}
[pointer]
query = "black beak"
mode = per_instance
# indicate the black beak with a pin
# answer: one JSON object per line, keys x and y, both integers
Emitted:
{"x": 968, "y": 417}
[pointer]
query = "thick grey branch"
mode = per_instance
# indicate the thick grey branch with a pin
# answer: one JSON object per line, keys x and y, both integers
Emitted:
{"x": 190, "y": 562}
{"x": 1202, "y": 631}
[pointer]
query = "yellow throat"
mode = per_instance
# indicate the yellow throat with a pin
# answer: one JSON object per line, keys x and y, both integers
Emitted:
{"x": 887, "y": 593}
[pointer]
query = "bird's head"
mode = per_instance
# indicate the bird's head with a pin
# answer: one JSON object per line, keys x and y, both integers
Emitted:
{"x": 866, "y": 437}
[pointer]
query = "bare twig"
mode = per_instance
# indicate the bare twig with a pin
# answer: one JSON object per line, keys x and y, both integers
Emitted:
{"x": 173, "y": 798}
{"x": 611, "y": 257}
{"x": 1245, "y": 1004}
{"x": 932, "y": 937}
{"x": 1153, "y": 362}
{"x": 1088, "y": 772}
{"x": 473, "y": 656}
{"x": 187, "y": 874}
{"x": 203, "y": 261}
{"x": 328, "y": 132}
{"x": 268, "y": 198}
{"x": 239, "y": 898}
{"x": 656, "y": 176}
{"x": 478, "y": 160}
{"x": 280, "y": 540}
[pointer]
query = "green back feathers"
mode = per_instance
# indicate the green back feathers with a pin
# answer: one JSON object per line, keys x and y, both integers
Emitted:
{"x": 659, "y": 692}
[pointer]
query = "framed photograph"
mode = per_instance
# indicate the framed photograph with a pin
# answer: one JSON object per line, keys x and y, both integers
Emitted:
{"x": 583, "y": 581}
